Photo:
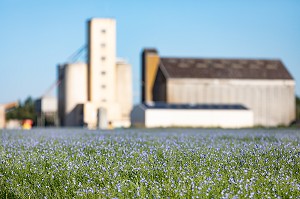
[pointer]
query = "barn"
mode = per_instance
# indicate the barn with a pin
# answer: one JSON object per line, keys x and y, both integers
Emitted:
{"x": 263, "y": 86}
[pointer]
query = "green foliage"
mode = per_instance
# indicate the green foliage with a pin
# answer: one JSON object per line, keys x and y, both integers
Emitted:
{"x": 23, "y": 111}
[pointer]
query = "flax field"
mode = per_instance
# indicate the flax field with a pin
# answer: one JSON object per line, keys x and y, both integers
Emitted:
{"x": 156, "y": 163}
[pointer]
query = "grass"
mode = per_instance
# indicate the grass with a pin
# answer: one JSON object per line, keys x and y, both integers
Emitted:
{"x": 178, "y": 163}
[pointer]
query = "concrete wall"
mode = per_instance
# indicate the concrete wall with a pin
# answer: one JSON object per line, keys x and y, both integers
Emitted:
{"x": 46, "y": 104}
{"x": 152, "y": 118}
{"x": 102, "y": 61}
{"x": 90, "y": 115}
{"x": 49, "y": 104}
{"x": 272, "y": 101}
{"x": 124, "y": 90}
{"x": 102, "y": 70}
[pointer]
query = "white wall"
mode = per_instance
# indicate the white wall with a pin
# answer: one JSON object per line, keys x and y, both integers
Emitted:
{"x": 13, "y": 124}
{"x": 124, "y": 89}
{"x": 102, "y": 61}
{"x": 151, "y": 118}
{"x": 90, "y": 115}
{"x": 49, "y": 104}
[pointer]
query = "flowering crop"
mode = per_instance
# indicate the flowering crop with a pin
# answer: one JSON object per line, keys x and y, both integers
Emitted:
{"x": 160, "y": 163}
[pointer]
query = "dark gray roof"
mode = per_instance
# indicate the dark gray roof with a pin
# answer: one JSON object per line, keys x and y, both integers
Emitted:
{"x": 224, "y": 68}
{"x": 161, "y": 105}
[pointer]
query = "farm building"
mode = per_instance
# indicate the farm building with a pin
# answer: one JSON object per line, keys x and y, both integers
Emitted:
{"x": 3, "y": 109}
{"x": 262, "y": 86}
{"x": 97, "y": 93}
{"x": 153, "y": 115}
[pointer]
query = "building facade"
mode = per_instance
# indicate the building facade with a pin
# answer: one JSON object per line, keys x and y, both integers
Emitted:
{"x": 89, "y": 93}
{"x": 263, "y": 86}
{"x": 156, "y": 115}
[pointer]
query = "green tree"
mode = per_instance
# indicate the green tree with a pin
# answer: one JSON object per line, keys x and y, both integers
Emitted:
{"x": 23, "y": 111}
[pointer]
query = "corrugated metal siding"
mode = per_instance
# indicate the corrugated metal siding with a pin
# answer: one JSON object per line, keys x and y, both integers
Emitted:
{"x": 272, "y": 104}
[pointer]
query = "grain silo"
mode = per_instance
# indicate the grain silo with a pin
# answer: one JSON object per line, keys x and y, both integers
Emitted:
{"x": 97, "y": 93}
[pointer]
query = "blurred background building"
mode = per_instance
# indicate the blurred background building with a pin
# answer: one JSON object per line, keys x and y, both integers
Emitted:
{"x": 46, "y": 111}
{"x": 158, "y": 114}
{"x": 4, "y": 108}
{"x": 97, "y": 93}
{"x": 262, "y": 86}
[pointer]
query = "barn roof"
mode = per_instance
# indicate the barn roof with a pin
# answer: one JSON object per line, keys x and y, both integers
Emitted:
{"x": 224, "y": 68}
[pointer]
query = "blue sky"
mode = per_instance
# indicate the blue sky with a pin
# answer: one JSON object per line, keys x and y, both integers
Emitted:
{"x": 37, "y": 35}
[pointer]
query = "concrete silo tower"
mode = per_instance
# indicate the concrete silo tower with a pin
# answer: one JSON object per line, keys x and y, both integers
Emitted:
{"x": 101, "y": 61}
{"x": 97, "y": 94}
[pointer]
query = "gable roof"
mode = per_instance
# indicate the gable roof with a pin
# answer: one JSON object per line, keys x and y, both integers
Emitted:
{"x": 224, "y": 68}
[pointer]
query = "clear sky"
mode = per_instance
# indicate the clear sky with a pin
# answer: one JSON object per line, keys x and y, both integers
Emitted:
{"x": 35, "y": 36}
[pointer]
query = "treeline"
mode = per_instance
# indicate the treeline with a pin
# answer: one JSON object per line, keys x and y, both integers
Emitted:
{"x": 25, "y": 110}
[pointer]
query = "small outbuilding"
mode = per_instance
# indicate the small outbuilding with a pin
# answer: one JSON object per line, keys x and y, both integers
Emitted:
{"x": 46, "y": 110}
{"x": 153, "y": 115}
